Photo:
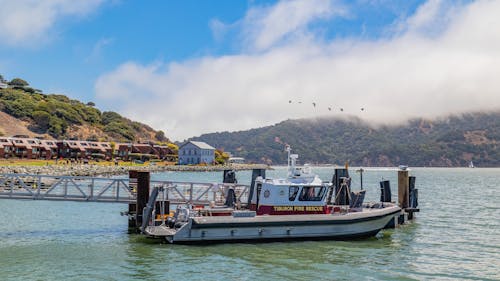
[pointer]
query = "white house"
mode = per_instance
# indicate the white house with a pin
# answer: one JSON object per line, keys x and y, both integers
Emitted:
{"x": 196, "y": 152}
{"x": 3, "y": 85}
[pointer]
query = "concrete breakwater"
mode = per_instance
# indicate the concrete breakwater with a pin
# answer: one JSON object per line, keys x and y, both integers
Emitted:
{"x": 102, "y": 170}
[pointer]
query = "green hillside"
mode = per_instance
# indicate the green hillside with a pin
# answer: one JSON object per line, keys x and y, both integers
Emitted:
{"x": 447, "y": 142}
{"x": 62, "y": 117}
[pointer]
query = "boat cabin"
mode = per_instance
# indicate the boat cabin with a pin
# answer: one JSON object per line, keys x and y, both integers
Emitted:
{"x": 302, "y": 192}
{"x": 278, "y": 197}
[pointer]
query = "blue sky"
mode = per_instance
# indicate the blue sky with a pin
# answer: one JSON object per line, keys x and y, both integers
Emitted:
{"x": 184, "y": 66}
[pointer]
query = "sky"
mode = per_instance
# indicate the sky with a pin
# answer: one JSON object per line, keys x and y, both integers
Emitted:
{"x": 193, "y": 67}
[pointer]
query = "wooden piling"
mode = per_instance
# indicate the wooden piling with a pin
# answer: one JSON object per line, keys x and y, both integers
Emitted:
{"x": 132, "y": 205}
{"x": 143, "y": 179}
{"x": 255, "y": 174}
{"x": 403, "y": 189}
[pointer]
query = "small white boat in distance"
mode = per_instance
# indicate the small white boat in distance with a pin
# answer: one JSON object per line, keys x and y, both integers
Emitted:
{"x": 293, "y": 208}
{"x": 471, "y": 165}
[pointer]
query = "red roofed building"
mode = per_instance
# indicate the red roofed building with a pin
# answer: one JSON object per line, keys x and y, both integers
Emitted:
{"x": 6, "y": 148}
{"x": 71, "y": 149}
{"x": 48, "y": 149}
{"x": 25, "y": 148}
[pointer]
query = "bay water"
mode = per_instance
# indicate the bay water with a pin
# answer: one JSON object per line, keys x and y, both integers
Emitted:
{"x": 456, "y": 236}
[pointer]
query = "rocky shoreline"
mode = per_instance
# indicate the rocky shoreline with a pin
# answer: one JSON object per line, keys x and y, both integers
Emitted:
{"x": 92, "y": 170}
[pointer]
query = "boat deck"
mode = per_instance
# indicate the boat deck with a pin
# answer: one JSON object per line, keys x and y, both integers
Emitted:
{"x": 160, "y": 231}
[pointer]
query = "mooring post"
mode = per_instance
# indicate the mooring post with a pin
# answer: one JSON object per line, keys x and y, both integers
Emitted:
{"x": 142, "y": 195}
{"x": 403, "y": 189}
{"x": 132, "y": 205}
{"x": 255, "y": 174}
{"x": 229, "y": 176}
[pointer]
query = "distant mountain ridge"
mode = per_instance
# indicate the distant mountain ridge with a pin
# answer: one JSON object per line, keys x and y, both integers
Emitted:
{"x": 28, "y": 111}
{"x": 445, "y": 142}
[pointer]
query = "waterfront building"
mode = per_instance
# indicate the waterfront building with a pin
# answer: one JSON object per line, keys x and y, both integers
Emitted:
{"x": 196, "y": 152}
{"x": 101, "y": 150}
{"x": 165, "y": 152}
{"x": 136, "y": 151}
{"x": 48, "y": 149}
{"x": 25, "y": 148}
{"x": 6, "y": 148}
{"x": 34, "y": 148}
{"x": 71, "y": 149}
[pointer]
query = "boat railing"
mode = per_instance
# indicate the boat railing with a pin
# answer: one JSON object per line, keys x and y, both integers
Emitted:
{"x": 196, "y": 193}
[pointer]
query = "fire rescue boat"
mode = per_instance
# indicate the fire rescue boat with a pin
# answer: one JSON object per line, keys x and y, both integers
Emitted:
{"x": 298, "y": 207}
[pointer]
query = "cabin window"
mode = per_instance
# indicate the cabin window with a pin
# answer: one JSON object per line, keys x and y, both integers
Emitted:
{"x": 292, "y": 192}
{"x": 312, "y": 193}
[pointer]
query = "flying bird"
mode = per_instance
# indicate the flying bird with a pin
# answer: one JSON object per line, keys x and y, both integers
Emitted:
{"x": 290, "y": 101}
{"x": 330, "y": 109}
{"x": 341, "y": 109}
{"x": 362, "y": 109}
{"x": 314, "y": 104}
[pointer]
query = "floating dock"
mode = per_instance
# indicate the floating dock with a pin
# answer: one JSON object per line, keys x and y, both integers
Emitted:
{"x": 135, "y": 191}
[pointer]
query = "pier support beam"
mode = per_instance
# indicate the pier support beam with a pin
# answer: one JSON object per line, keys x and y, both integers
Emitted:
{"x": 143, "y": 179}
{"x": 255, "y": 174}
{"x": 403, "y": 189}
{"x": 229, "y": 176}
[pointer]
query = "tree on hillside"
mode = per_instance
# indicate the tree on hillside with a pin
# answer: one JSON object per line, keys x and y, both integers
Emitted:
{"x": 2, "y": 79}
{"x": 42, "y": 119}
{"x": 18, "y": 82}
{"x": 173, "y": 147}
{"x": 160, "y": 135}
{"x": 110, "y": 116}
{"x": 91, "y": 103}
{"x": 221, "y": 157}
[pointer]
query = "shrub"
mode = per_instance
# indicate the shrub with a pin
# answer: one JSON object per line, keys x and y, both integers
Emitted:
{"x": 18, "y": 82}
{"x": 42, "y": 119}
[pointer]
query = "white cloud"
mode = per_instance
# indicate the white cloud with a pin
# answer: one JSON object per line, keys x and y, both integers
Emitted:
{"x": 263, "y": 27}
{"x": 98, "y": 48}
{"x": 409, "y": 75}
{"x": 23, "y": 22}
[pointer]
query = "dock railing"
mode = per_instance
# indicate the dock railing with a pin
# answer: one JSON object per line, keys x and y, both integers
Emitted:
{"x": 111, "y": 190}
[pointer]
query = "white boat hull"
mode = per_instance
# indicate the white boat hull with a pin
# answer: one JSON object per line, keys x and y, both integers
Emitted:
{"x": 263, "y": 228}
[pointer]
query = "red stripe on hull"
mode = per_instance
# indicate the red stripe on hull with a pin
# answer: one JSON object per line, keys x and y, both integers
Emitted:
{"x": 290, "y": 210}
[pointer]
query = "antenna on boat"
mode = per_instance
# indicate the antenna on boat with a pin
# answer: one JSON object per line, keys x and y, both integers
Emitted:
{"x": 288, "y": 149}
{"x": 292, "y": 160}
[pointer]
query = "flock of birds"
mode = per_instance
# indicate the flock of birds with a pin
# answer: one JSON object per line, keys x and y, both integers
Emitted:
{"x": 329, "y": 107}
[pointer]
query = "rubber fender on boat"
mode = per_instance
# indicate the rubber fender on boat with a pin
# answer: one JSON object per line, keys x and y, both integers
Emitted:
{"x": 171, "y": 222}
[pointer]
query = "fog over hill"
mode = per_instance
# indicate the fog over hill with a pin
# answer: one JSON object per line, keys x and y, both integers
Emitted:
{"x": 452, "y": 141}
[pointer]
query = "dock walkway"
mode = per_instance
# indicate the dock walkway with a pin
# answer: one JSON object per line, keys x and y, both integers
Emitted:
{"x": 110, "y": 190}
